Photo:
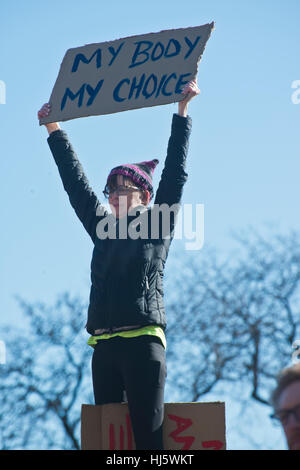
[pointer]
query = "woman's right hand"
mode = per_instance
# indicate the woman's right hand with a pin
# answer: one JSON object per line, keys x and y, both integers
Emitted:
{"x": 44, "y": 112}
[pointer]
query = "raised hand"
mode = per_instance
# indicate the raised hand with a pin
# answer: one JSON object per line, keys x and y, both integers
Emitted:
{"x": 190, "y": 90}
{"x": 44, "y": 112}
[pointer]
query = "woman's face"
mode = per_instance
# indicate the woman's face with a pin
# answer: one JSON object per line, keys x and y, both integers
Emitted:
{"x": 121, "y": 203}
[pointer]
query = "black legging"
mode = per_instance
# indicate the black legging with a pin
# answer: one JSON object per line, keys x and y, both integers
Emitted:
{"x": 136, "y": 366}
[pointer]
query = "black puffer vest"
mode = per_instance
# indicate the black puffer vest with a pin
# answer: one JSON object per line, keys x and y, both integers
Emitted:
{"x": 126, "y": 271}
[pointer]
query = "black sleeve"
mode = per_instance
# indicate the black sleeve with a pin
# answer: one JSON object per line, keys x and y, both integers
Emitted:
{"x": 82, "y": 197}
{"x": 173, "y": 176}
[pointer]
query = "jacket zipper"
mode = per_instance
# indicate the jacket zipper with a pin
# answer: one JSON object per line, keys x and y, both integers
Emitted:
{"x": 146, "y": 292}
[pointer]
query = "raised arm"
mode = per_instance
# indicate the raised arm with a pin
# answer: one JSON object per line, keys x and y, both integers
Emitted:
{"x": 81, "y": 196}
{"x": 173, "y": 175}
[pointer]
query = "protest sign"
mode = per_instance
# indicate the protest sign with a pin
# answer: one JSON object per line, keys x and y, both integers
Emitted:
{"x": 187, "y": 426}
{"x": 129, "y": 73}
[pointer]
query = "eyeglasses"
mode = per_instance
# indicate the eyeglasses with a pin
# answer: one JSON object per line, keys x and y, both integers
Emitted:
{"x": 283, "y": 416}
{"x": 120, "y": 190}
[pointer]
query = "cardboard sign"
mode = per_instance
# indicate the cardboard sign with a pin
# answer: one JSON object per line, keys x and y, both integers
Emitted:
{"x": 187, "y": 426}
{"x": 129, "y": 73}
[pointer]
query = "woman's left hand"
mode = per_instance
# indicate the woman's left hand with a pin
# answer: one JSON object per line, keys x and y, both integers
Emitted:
{"x": 190, "y": 90}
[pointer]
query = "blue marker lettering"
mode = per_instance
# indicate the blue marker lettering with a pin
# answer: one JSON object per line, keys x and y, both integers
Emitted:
{"x": 114, "y": 53}
{"x": 146, "y": 94}
{"x": 136, "y": 86}
{"x": 181, "y": 82}
{"x": 160, "y": 85}
{"x": 117, "y": 89}
{"x": 93, "y": 92}
{"x": 191, "y": 45}
{"x": 164, "y": 92}
{"x": 72, "y": 96}
{"x": 177, "y": 46}
{"x": 160, "y": 52}
{"x": 138, "y": 52}
{"x": 81, "y": 57}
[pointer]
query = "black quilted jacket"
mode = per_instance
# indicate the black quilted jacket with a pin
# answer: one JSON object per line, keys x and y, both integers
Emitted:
{"x": 126, "y": 272}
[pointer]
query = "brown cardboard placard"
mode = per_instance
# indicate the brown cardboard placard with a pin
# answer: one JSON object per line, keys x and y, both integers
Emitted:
{"x": 128, "y": 73}
{"x": 187, "y": 426}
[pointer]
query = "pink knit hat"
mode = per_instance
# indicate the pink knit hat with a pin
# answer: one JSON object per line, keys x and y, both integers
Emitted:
{"x": 140, "y": 173}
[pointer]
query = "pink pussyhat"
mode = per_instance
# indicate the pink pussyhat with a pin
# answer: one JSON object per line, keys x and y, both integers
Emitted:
{"x": 140, "y": 173}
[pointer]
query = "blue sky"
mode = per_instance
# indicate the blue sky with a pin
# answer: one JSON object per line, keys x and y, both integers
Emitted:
{"x": 243, "y": 163}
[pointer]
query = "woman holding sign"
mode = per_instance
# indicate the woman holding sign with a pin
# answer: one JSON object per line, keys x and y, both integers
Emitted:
{"x": 126, "y": 316}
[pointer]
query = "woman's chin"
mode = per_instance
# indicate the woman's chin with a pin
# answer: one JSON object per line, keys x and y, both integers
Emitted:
{"x": 118, "y": 212}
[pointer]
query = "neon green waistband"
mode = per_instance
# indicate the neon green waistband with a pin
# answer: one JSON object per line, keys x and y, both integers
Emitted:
{"x": 146, "y": 330}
